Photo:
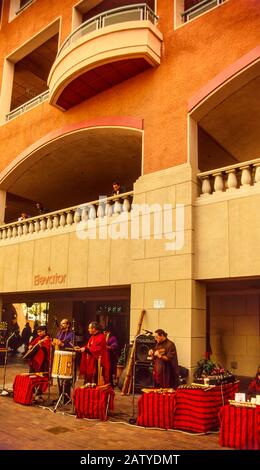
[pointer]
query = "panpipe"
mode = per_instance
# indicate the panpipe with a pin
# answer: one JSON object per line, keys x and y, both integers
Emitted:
{"x": 156, "y": 409}
{"x": 93, "y": 402}
{"x": 24, "y": 386}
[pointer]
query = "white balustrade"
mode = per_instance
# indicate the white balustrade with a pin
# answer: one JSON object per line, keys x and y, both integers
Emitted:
{"x": 242, "y": 176}
{"x": 34, "y": 226}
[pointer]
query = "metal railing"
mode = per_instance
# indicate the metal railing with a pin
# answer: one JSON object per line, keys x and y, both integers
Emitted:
{"x": 199, "y": 8}
{"x": 28, "y": 105}
{"x": 137, "y": 12}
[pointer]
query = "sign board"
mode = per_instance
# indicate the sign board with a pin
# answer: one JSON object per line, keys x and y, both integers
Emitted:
{"x": 159, "y": 303}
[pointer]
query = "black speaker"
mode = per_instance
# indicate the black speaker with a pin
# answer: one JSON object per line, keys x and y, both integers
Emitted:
{"x": 143, "y": 344}
{"x": 143, "y": 376}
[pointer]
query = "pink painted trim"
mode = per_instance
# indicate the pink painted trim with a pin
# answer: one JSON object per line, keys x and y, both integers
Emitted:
{"x": 130, "y": 122}
{"x": 223, "y": 76}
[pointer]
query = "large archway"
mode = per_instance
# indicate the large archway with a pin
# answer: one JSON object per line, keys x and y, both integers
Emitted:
{"x": 227, "y": 116}
{"x": 73, "y": 166}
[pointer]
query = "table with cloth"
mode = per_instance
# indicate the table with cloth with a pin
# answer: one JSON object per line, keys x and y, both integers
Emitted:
{"x": 155, "y": 409}
{"x": 25, "y": 385}
{"x": 93, "y": 402}
{"x": 240, "y": 427}
{"x": 196, "y": 409}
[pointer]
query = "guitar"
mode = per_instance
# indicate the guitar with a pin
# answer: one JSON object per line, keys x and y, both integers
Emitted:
{"x": 32, "y": 351}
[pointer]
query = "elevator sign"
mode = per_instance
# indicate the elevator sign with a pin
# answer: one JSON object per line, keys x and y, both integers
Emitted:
{"x": 159, "y": 303}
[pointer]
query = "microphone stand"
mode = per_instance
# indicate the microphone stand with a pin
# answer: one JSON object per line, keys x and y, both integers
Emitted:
{"x": 49, "y": 402}
{"x": 74, "y": 371}
{"x": 5, "y": 392}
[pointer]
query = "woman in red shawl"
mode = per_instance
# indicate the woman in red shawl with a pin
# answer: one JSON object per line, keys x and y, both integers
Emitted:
{"x": 40, "y": 351}
{"x": 94, "y": 351}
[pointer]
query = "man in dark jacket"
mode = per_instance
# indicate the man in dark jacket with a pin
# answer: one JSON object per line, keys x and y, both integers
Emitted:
{"x": 164, "y": 355}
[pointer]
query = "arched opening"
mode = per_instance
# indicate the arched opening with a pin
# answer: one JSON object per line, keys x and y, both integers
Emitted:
{"x": 74, "y": 167}
{"x": 227, "y": 114}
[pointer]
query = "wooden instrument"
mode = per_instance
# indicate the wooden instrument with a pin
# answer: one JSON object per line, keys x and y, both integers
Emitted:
{"x": 32, "y": 351}
{"x": 100, "y": 378}
{"x": 127, "y": 385}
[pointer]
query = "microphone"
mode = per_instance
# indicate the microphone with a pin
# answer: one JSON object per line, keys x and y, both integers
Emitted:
{"x": 147, "y": 331}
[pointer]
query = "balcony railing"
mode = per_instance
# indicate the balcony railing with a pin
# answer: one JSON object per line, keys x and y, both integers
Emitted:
{"x": 52, "y": 221}
{"x": 230, "y": 179}
{"x": 28, "y": 105}
{"x": 138, "y": 12}
{"x": 200, "y": 8}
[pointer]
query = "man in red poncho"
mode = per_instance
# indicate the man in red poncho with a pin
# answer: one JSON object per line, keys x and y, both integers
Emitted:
{"x": 95, "y": 361}
{"x": 39, "y": 350}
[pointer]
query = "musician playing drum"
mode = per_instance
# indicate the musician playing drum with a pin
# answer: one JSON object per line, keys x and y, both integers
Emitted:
{"x": 64, "y": 341}
{"x": 39, "y": 351}
{"x": 65, "y": 337}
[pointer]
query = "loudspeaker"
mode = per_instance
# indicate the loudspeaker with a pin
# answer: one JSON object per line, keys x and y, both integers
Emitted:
{"x": 143, "y": 344}
{"x": 143, "y": 376}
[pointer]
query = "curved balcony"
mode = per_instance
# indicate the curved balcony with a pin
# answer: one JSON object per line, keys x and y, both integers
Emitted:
{"x": 104, "y": 51}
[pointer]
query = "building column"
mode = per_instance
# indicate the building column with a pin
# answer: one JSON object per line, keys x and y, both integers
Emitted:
{"x": 2, "y": 206}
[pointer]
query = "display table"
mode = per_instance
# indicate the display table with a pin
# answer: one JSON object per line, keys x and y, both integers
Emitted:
{"x": 156, "y": 410}
{"x": 197, "y": 410}
{"x": 240, "y": 427}
{"x": 93, "y": 402}
{"x": 24, "y": 386}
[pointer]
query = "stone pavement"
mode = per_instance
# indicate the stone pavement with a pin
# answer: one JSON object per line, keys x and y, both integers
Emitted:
{"x": 34, "y": 428}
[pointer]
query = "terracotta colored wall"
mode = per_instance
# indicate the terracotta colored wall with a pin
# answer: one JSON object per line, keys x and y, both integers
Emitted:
{"x": 192, "y": 55}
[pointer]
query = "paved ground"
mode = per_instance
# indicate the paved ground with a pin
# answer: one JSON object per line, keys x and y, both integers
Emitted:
{"x": 32, "y": 427}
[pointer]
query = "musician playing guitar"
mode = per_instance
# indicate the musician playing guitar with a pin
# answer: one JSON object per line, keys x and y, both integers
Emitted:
{"x": 39, "y": 351}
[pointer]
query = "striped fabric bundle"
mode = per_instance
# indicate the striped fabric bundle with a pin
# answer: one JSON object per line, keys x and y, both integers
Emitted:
{"x": 240, "y": 427}
{"x": 156, "y": 410}
{"x": 24, "y": 386}
{"x": 93, "y": 402}
{"x": 197, "y": 410}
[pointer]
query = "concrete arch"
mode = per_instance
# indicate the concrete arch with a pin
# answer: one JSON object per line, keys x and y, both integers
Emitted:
{"x": 224, "y": 116}
{"x": 76, "y": 163}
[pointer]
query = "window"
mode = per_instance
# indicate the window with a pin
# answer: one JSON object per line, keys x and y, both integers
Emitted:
{"x": 186, "y": 10}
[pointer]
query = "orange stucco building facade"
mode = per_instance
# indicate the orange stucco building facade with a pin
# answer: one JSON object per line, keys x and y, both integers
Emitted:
{"x": 163, "y": 97}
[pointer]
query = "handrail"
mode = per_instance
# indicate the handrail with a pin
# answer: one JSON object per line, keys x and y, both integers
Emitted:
{"x": 98, "y": 21}
{"x": 227, "y": 168}
{"x": 198, "y": 6}
{"x": 82, "y": 206}
{"x": 28, "y": 105}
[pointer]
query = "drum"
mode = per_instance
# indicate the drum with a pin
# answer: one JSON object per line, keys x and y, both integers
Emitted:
{"x": 63, "y": 363}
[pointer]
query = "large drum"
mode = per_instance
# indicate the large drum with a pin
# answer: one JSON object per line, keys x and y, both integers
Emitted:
{"x": 63, "y": 363}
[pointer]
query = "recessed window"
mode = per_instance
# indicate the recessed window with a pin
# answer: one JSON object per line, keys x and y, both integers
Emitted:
{"x": 17, "y": 7}
{"x": 187, "y": 10}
